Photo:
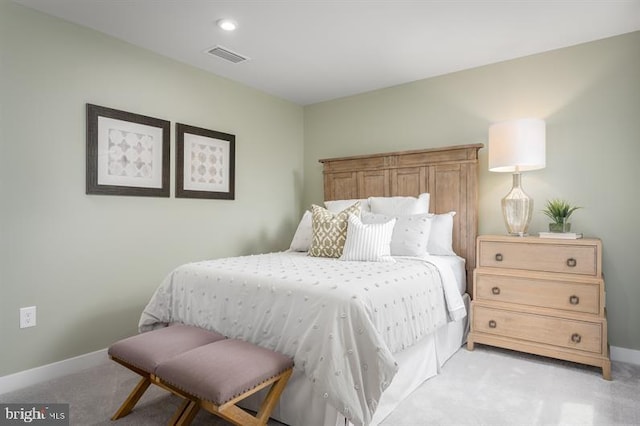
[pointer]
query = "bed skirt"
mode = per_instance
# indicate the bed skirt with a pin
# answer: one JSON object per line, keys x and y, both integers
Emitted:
{"x": 299, "y": 406}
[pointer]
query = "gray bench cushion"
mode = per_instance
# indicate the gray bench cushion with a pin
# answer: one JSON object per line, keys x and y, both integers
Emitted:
{"x": 220, "y": 371}
{"x": 147, "y": 350}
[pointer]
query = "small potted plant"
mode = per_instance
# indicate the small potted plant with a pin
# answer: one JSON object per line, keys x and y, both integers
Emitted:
{"x": 559, "y": 212}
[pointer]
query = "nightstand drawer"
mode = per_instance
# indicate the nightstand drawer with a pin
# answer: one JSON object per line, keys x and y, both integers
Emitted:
{"x": 545, "y": 293}
{"x": 579, "y": 335}
{"x": 569, "y": 259}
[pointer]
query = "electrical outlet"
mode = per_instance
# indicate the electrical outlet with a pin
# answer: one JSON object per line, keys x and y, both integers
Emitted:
{"x": 28, "y": 317}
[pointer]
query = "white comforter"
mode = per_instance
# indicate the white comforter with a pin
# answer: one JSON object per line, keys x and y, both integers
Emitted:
{"x": 340, "y": 321}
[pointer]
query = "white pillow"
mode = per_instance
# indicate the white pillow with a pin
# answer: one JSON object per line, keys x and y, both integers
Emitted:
{"x": 336, "y": 206}
{"x": 410, "y": 234}
{"x": 369, "y": 243}
{"x": 400, "y": 206}
{"x": 302, "y": 238}
{"x": 441, "y": 237}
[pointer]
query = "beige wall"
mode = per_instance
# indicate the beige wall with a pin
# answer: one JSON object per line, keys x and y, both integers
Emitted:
{"x": 90, "y": 263}
{"x": 589, "y": 96}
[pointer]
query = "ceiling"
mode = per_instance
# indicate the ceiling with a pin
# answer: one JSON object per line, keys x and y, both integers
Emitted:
{"x": 309, "y": 51}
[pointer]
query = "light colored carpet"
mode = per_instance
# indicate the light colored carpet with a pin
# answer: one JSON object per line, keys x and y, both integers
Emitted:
{"x": 485, "y": 387}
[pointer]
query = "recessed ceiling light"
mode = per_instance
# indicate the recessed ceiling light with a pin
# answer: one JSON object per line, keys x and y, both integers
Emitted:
{"x": 227, "y": 24}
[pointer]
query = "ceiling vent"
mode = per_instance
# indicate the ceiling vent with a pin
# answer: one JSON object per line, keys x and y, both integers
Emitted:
{"x": 227, "y": 55}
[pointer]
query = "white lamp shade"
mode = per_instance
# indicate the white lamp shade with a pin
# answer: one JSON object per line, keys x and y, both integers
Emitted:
{"x": 517, "y": 145}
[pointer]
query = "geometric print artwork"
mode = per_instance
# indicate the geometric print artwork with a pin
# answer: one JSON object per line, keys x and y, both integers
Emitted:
{"x": 130, "y": 154}
{"x": 207, "y": 164}
{"x": 329, "y": 230}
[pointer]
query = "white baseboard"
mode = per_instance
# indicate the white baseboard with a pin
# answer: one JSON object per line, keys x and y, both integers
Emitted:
{"x": 52, "y": 371}
{"x": 47, "y": 372}
{"x": 631, "y": 356}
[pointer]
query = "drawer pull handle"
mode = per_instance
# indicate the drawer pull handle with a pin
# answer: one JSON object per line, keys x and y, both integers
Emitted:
{"x": 571, "y": 262}
{"x": 498, "y": 257}
{"x": 575, "y": 338}
{"x": 574, "y": 300}
{"x": 492, "y": 324}
{"x": 495, "y": 290}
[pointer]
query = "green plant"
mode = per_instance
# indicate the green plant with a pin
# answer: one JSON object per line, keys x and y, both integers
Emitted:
{"x": 559, "y": 210}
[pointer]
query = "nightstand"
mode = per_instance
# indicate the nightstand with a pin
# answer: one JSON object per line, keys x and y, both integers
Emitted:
{"x": 541, "y": 296}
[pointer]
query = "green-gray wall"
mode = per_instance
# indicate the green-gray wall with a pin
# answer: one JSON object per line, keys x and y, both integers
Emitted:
{"x": 589, "y": 96}
{"x": 90, "y": 263}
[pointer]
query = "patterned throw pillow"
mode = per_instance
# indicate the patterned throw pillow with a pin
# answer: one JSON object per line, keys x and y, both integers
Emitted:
{"x": 329, "y": 230}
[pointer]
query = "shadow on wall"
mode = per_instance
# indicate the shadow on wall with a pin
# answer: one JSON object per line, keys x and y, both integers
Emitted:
{"x": 272, "y": 239}
{"x": 278, "y": 238}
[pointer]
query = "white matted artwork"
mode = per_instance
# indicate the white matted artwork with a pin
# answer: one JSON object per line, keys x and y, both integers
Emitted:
{"x": 127, "y": 154}
{"x": 205, "y": 163}
{"x": 205, "y": 167}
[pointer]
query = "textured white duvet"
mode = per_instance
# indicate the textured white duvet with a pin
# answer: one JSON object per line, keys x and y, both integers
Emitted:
{"x": 340, "y": 321}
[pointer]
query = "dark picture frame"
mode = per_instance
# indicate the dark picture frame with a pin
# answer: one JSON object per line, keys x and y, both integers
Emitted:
{"x": 127, "y": 153}
{"x": 205, "y": 163}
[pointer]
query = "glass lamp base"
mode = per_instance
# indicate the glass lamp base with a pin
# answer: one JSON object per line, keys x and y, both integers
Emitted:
{"x": 517, "y": 209}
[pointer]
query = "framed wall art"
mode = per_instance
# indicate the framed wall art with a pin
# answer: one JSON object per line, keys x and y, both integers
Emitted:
{"x": 205, "y": 163}
{"x": 127, "y": 153}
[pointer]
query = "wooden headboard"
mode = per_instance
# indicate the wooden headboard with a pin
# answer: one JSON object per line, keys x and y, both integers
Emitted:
{"x": 449, "y": 175}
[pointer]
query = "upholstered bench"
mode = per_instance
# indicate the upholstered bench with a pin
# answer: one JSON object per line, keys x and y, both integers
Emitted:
{"x": 206, "y": 369}
{"x": 144, "y": 352}
{"x": 218, "y": 375}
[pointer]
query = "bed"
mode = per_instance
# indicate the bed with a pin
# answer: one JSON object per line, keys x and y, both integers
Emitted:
{"x": 363, "y": 335}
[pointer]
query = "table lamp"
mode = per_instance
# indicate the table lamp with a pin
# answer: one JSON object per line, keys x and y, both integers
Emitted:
{"x": 517, "y": 146}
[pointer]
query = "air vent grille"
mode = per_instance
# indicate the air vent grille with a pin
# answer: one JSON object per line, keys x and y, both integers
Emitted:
{"x": 227, "y": 55}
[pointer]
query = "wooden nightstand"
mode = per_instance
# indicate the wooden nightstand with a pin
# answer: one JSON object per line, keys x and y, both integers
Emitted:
{"x": 542, "y": 296}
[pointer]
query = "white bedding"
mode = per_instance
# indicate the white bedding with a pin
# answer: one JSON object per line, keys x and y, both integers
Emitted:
{"x": 341, "y": 321}
{"x": 457, "y": 265}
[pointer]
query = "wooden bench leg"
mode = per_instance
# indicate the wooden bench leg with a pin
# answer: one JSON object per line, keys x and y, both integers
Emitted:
{"x": 231, "y": 413}
{"x": 236, "y": 415}
{"x": 272, "y": 397}
{"x": 179, "y": 412}
{"x": 132, "y": 399}
{"x": 188, "y": 414}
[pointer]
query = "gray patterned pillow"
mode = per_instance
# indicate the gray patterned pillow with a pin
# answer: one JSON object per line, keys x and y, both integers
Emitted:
{"x": 329, "y": 230}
